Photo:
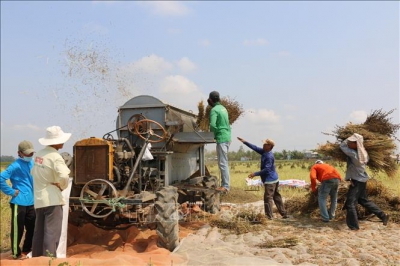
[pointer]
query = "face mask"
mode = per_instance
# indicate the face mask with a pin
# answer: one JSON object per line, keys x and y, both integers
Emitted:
{"x": 27, "y": 159}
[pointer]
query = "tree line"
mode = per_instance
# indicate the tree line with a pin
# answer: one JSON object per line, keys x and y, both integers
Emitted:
{"x": 7, "y": 158}
{"x": 251, "y": 155}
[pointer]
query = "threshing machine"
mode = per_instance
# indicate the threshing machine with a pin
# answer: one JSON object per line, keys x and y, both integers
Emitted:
{"x": 155, "y": 162}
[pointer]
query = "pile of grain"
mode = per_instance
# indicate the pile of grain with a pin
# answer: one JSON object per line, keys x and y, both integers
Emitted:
{"x": 379, "y": 141}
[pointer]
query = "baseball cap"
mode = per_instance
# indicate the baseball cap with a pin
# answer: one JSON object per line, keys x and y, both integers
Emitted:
{"x": 26, "y": 147}
{"x": 214, "y": 96}
{"x": 318, "y": 162}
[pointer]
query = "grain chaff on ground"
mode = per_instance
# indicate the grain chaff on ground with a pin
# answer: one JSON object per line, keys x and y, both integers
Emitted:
{"x": 379, "y": 141}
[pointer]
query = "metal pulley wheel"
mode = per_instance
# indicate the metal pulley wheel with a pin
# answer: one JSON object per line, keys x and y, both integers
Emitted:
{"x": 146, "y": 129}
{"x": 99, "y": 198}
{"x": 133, "y": 120}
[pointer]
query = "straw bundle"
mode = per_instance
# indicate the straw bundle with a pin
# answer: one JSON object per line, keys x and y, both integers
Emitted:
{"x": 234, "y": 108}
{"x": 376, "y": 192}
{"x": 379, "y": 135}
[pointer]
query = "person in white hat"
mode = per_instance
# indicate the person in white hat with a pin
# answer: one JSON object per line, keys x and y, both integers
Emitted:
{"x": 21, "y": 203}
{"x": 50, "y": 175}
{"x": 357, "y": 159}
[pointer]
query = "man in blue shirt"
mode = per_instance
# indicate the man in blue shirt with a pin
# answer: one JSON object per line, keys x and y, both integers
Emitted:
{"x": 269, "y": 177}
{"x": 357, "y": 159}
{"x": 21, "y": 192}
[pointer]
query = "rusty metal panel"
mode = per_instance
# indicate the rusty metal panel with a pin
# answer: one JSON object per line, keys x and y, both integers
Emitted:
{"x": 92, "y": 162}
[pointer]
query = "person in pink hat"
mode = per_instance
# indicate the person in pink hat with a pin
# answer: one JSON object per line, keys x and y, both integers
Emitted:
{"x": 50, "y": 177}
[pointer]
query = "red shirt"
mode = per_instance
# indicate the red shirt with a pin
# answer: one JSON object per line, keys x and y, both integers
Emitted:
{"x": 322, "y": 172}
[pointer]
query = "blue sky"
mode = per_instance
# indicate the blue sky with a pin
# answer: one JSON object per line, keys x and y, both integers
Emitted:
{"x": 297, "y": 68}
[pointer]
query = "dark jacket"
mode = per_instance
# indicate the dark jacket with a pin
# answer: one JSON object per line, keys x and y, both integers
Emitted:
{"x": 268, "y": 172}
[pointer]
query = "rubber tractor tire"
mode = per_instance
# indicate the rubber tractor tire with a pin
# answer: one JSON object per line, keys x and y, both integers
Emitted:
{"x": 211, "y": 197}
{"x": 167, "y": 218}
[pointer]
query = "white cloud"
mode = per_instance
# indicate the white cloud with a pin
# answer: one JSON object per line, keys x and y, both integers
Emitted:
{"x": 186, "y": 65}
{"x": 257, "y": 125}
{"x": 166, "y": 8}
{"x": 180, "y": 92}
{"x": 17, "y": 133}
{"x": 153, "y": 75}
{"x": 26, "y": 127}
{"x": 150, "y": 64}
{"x": 261, "y": 116}
{"x": 358, "y": 116}
{"x": 205, "y": 43}
{"x": 178, "y": 84}
{"x": 256, "y": 42}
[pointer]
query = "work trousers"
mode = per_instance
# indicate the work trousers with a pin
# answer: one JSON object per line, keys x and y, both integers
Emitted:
{"x": 47, "y": 231}
{"x": 222, "y": 154}
{"x": 271, "y": 196}
{"x": 328, "y": 187}
{"x": 358, "y": 194}
{"x": 22, "y": 218}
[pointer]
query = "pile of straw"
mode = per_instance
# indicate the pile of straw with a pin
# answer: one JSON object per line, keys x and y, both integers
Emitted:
{"x": 377, "y": 192}
{"x": 234, "y": 108}
{"x": 379, "y": 141}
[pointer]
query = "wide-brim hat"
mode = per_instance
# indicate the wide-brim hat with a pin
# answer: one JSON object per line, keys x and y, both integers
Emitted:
{"x": 54, "y": 135}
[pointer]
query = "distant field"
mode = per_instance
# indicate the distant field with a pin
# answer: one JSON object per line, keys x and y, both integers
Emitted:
{"x": 3, "y": 165}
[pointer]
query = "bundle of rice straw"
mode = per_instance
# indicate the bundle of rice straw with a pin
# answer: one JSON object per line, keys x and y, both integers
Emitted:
{"x": 379, "y": 141}
{"x": 234, "y": 108}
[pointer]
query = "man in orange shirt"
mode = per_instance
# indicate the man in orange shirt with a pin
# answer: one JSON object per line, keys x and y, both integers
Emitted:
{"x": 329, "y": 178}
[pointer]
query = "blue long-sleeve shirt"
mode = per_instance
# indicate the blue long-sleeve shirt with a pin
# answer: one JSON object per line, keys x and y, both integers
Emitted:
{"x": 19, "y": 173}
{"x": 267, "y": 168}
{"x": 355, "y": 169}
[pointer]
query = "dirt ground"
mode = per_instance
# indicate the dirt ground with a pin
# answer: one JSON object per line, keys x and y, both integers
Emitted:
{"x": 294, "y": 241}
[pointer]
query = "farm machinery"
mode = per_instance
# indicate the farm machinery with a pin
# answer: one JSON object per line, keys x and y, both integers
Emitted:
{"x": 155, "y": 162}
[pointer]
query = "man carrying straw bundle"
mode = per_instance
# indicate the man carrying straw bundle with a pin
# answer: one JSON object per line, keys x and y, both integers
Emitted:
{"x": 357, "y": 159}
